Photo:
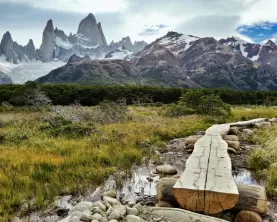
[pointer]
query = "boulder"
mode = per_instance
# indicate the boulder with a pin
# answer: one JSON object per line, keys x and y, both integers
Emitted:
{"x": 248, "y": 216}
{"x": 132, "y": 211}
{"x": 82, "y": 206}
{"x": 231, "y": 150}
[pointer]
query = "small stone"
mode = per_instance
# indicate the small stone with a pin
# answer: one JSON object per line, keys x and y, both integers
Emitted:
{"x": 111, "y": 193}
{"x": 132, "y": 218}
{"x": 96, "y": 216}
{"x": 114, "y": 216}
{"x": 139, "y": 207}
{"x": 111, "y": 201}
{"x": 131, "y": 203}
{"x": 82, "y": 206}
{"x": 166, "y": 169}
{"x": 132, "y": 211}
{"x": 234, "y": 144}
{"x": 100, "y": 205}
{"x": 103, "y": 219}
{"x": 113, "y": 220}
{"x": 150, "y": 179}
{"x": 62, "y": 212}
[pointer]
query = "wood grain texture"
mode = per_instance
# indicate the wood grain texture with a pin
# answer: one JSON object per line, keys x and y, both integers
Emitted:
{"x": 207, "y": 184}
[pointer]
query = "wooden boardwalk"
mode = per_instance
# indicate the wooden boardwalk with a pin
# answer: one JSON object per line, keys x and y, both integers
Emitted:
{"x": 207, "y": 184}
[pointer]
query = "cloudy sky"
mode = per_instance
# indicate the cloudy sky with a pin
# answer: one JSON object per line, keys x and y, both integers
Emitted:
{"x": 252, "y": 20}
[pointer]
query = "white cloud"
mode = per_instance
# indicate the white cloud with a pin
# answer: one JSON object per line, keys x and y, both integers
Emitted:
{"x": 80, "y": 6}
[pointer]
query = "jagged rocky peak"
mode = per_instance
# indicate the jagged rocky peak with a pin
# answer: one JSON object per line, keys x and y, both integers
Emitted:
{"x": 61, "y": 34}
{"x": 139, "y": 45}
{"x": 48, "y": 42}
{"x": 5, "y": 79}
{"x": 271, "y": 44}
{"x": 102, "y": 33}
{"x": 6, "y": 46}
{"x": 30, "y": 50}
{"x": 89, "y": 29}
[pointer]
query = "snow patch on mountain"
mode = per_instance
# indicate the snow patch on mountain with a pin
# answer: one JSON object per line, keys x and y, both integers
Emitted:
{"x": 63, "y": 44}
{"x": 120, "y": 53}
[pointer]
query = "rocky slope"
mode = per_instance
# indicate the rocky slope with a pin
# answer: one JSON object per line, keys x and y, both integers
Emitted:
{"x": 187, "y": 61}
{"x": 4, "y": 79}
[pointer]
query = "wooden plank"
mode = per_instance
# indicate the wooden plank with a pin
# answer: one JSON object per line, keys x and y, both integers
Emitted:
{"x": 207, "y": 184}
{"x": 249, "y": 122}
{"x": 178, "y": 215}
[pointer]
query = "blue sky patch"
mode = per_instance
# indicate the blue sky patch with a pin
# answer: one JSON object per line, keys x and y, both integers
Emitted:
{"x": 152, "y": 30}
{"x": 260, "y": 32}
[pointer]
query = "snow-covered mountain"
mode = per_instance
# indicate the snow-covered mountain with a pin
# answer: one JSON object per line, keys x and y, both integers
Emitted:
{"x": 265, "y": 54}
{"x": 176, "y": 60}
{"x": 57, "y": 47}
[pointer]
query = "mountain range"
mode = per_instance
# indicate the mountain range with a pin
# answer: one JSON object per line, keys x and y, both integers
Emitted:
{"x": 174, "y": 60}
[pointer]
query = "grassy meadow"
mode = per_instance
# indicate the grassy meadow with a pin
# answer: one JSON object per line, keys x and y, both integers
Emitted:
{"x": 42, "y": 157}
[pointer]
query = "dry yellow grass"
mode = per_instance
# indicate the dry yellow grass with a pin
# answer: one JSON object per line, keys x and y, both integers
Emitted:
{"x": 35, "y": 165}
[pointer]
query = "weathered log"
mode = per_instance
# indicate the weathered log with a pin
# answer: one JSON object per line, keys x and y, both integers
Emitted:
{"x": 211, "y": 187}
{"x": 262, "y": 125}
{"x": 248, "y": 216}
{"x": 177, "y": 215}
{"x": 248, "y": 123}
{"x": 234, "y": 144}
{"x": 192, "y": 139}
{"x": 251, "y": 197}
{"x": 230, "y": 138}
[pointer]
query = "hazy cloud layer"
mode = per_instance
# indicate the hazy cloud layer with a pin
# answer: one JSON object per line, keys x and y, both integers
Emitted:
{"x": 141, "y": 19}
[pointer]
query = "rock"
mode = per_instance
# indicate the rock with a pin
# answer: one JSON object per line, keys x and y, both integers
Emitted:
{"x": 131, "y": 203}
{"x": 74, "y": 219}
{"x": 109, "y": 211}
{"x": 82, "y": 206}
{"x": 248, "y": 132}
{"x": 46, "y": 50}
{"x": 62, "y": 212}
{"x": 103, "y": 219}
{"x": 132, "y": 211}
{"x": 118, "y": 212}
{"x": 113, "y": 220}
{"x": 248, "y": 216}
{"x": 132, "y": 218}
{"x": 231, "y": 138}
{"x": 231, "y": 150}
{"x": 273, "y": 120}
{"x": 89, "y": 29}
{"x": 139, "y": 207}
{"x": 234, "y": 130}
{"x": 111, "y": 201}
{"x": 96, "y": 216}
{"x": 262, "y": 125}
{"x": 111, "y": 193}
{"x": 5, "y": 79}
{"x": 166, "y": 169}
{"x": 234, "y": 144}
{"x": 86, "y": 217}
{"x": 100, "y": 205}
